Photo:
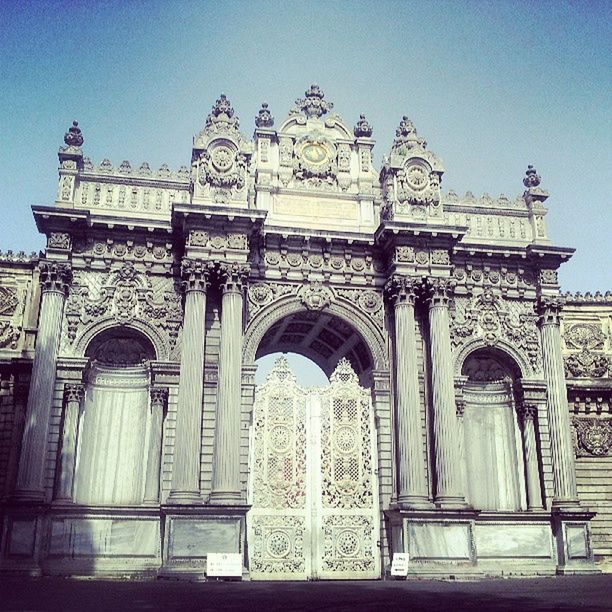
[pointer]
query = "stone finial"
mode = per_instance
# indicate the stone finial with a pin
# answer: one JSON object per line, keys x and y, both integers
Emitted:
{"x": 362, "y": 129}
{"x": 406, "y": 136}
{"x": 222, "y": 114}
{"x": 74, "y": 137}
{"x": 313, "y": 104}
{"x": 532, "y": 178}
{"x": 264, "y": 118}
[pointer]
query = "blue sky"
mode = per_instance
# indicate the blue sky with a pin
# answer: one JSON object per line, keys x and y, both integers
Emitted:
{"x": 492, "y": 86}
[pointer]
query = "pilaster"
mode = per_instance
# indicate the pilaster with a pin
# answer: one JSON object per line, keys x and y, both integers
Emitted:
{"x": 159, "y": 403}
{"x": 73, "y": 397}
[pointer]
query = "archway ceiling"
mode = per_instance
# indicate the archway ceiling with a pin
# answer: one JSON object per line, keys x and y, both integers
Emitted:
{"x": 324, "y": 338}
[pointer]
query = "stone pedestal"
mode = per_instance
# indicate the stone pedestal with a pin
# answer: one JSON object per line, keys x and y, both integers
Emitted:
{"x": 226, "y": 489}
{"x": 54, "y": 279}
{"x": 186, "y": 468}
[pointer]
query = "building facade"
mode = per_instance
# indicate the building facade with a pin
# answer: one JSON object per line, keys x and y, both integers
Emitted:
{"x": 467, "y": 420}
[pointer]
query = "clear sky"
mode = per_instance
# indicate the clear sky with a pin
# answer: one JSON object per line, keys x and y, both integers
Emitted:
{"x": 492, "y": 86}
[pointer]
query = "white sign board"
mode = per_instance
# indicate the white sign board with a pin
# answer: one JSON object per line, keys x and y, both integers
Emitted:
{"x": 227, "y": 565}
{"x": 399, "y": 565}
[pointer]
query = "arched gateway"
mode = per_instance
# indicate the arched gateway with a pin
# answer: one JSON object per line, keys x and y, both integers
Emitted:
{"x": 143, "y": 446}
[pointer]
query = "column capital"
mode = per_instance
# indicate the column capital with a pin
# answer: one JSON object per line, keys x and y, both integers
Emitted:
{"x": 527, "y": 411}
{"x": 195, "y": 274}
{"x": 549, "y": 309}
{"x": 402, "y": 289}
{"x": 159, "y": 397}
{"x": 55, "y": 276}
{"x": 233, "y": 276}
{"x": 74, "y": 392}
{"x": 438, "y": 290}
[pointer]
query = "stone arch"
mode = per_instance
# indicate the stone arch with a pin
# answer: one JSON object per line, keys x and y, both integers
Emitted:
{"x": 284, "y": 307}
{"x": 109, "y": 324}
{"x": 501, "y": 348}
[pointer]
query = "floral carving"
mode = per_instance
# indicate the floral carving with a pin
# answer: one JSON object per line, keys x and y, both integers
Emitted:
{"x": 586, "y": 364}
{"x": 58, "y": 240}
{"x": 8, "y": 301}
{"x": 125, "y": 295}
{"x": 315, "y": 296}
{"x": 592, "y": 437}
{"x": 493, "y": 319}
{"x": 9, "y": 335}
{"x": 584, "y": 336}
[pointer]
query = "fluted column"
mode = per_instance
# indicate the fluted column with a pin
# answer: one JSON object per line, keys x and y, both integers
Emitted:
{"x": 73, "y": 396}
{"x": 159, "y": 399}
{"x": 188, "y": 437}
{"x": 564, "y": 469}
{"x": 412, "y": 486}
{"x": 460, "y": 411}
{"x": 528, "y": 414}
{"x": 449, "y": 491}
{"x": 54, "y": 280}
{"x": 226, "y": 471}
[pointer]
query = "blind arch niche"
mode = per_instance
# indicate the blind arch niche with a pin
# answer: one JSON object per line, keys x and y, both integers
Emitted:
{"x": 115, "y": 427}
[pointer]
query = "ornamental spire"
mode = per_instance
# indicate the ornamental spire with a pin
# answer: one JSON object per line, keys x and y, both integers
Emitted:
{"x": 264, "y": 118}
{"x": 406, "y": 137}
{"x": 74, "y": 137}
{"x": 222, "y": 115}
{"x": 532, "y": 178}
{"x": 363, "y": 129}
{"x": 313, "y": 104}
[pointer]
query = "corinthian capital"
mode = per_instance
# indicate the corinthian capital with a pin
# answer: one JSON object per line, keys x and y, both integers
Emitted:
{"x": 439, "y": 291}
{"x": 195, "y": 274}
{"x": 528, "y": 412}
{"x": 55, "y": 276}
{"x": 159, "y": 397}
{"x": 233, "y": 276}
{"x": 73, "y": 392}
{"x": 402, "y": 289}
{"x": 549, "y": 309}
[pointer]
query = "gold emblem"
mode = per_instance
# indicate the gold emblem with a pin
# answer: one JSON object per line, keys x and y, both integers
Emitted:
{"x": 314, "y": 153}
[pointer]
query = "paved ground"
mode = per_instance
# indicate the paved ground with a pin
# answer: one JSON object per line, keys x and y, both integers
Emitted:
{"x": 563, "y": 593}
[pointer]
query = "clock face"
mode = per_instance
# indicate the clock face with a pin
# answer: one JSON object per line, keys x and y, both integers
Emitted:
{"x": 314, "y": 153}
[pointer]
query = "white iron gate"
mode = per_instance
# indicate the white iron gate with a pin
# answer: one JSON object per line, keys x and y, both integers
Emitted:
{"x": 313, "y": 487}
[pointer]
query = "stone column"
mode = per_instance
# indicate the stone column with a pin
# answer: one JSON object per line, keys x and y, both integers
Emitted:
{"x": 73, "y": 396}
{"x": 54, "y": 280}
{"x": 528, "y": 414}
{"x": 449, "y": 492}
{"x": 564, "y": 469}
{"x": 159, "y": 399}
{"x": 412, "y": 482}
{"x": 226, "y": 470}
{"x": 188, "y": 437}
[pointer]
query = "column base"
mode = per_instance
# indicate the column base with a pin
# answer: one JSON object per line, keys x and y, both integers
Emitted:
{"x": 572, "y": 534}
{"x": 413, "y": 502}
{"x": 29, "y": 496}
{"x": 451, "y": 502}
{"x": 226, "y": 498}
{"x": 184, "y": 498}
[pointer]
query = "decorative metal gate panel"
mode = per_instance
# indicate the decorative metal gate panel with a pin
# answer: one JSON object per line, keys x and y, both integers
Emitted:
{"x": 313, "y": 487}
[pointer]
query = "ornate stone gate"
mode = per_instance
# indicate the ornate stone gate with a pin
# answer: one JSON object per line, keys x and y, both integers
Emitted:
{"x": 313, "y": 485}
